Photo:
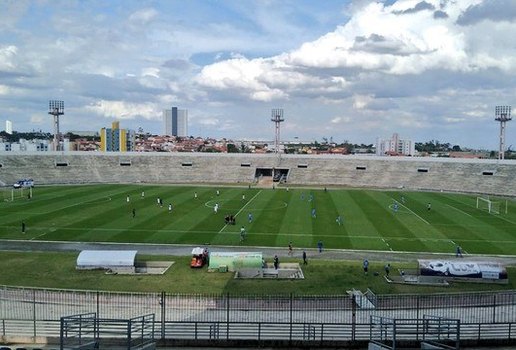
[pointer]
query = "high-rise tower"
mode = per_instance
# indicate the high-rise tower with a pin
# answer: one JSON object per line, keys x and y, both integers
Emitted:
{"x": 176, "y": 122}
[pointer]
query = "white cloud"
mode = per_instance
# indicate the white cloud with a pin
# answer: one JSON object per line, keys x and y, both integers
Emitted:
{"x": 368, "y": 67}
{"x": 361, "y": 101}
{"x": 125, "y": 110}
{"x": 8, "y": 58}
{"x": 341, "y": 120}
{"x": 248, "y": 77}
{"x": 143, "y": 16}
{"x": 38, "y": 119}
{"x": 377, "y": 38}
{"x": 454, "y": 120}
{"x": 4, "y": 90}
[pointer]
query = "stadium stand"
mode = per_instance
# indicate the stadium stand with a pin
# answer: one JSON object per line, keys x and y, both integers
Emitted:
{"x": 435, "y": 174}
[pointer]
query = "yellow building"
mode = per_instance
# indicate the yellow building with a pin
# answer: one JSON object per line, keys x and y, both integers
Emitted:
{"x": 116, "y": 139}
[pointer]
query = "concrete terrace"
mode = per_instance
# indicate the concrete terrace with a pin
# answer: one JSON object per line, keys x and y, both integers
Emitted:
{"x": 410, "y": 173}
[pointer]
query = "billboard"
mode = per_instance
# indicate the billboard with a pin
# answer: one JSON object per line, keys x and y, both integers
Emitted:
{"x": 463, "y": 269}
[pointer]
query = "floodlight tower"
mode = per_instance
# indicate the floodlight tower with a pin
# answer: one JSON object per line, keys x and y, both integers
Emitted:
{"x": 277, "y": 118}
{"x": 56, "y": 108}
{"x": 502, "y": 115}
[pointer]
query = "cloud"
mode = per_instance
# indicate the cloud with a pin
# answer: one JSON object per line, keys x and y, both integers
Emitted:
{"x": 421, "y": 6}
{"x": 440, "y": 14}
{"x": 417, "y": 67}
{"x": 495, "y": 11}
{"x": 249, "y": 77}
{"x": 143, "y": 16}
{"x": 409, "y": 45}
{"x": 123, "y": 110}
{"x": 8, "y": 58}
{"x": 178, "y": 64}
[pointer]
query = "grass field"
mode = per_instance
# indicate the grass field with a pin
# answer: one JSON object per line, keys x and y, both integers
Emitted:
{"x": 57, "y": 270}
{"x": 101, "y": 213}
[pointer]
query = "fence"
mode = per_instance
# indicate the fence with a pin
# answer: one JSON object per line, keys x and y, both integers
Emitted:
{"x": 86, "y": 331}
{"x": 36, "y": 313}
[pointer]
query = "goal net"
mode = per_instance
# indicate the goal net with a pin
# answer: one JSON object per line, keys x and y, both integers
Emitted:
{"x": 493, "y": 207}
{"x": 9, "y": 194}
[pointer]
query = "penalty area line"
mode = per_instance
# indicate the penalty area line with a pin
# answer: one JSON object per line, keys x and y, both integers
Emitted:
{"x": 404, "y": 206}
{"x": 463, "y": 212}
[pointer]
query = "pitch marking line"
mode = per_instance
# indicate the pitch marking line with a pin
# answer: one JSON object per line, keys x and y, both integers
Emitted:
{"x": 245, "y": 205}
{"x": 463, "y": 212}
{"x": 495, "y": 215}
{"x": 404, "y": 206}
{"x": 387, "y": 244}
{"x": 97, "y": 229}
{"x": 455, "y": 244}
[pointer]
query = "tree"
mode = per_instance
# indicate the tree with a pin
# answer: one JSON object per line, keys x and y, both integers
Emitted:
{"x": 232, "y": 148}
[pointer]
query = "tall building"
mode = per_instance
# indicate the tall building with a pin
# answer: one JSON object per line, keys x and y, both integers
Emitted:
{"x": 176, "y": 122}
{"x": 116, "y": 139}
{"x": 395, "y": 146}
{"x": 8, "y": 127}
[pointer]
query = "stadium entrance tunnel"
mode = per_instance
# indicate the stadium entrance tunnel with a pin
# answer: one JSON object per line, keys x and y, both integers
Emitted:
{"x": 276, "y": 174}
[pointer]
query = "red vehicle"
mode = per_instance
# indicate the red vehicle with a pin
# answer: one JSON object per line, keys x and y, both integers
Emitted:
{"x": 199, "y": 257}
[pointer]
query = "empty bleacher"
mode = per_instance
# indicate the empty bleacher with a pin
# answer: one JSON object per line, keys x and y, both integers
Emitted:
{"x": 475, "y": 176}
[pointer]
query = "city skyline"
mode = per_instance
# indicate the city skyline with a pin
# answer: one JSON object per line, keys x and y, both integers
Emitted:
{"x": 349, "y": 70}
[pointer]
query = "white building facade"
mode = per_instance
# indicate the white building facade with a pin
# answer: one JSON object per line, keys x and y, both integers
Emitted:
{"x": 8, "y": 127}
{"x": 395, "y": 146}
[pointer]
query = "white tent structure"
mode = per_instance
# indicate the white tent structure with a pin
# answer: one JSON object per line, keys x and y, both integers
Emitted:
{"x": 115, "y": 260}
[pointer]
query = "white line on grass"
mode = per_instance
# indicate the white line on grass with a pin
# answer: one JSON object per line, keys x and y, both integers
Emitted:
{"x": 495, "y": 215}
{"x": 426, "y": 222}
{"x": 455, "y": 244}
{"x": 387, "y": 244}
{"x": 101, "y": 199}
{"x": 245, "y": 205}
{"x": 99, "y": 229}
{"x": 463, "y": 212}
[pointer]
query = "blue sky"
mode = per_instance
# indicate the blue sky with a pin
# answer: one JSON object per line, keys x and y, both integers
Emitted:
{"x": 349, "y": 70}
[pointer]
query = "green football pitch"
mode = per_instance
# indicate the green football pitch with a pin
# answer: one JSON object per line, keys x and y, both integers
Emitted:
{"x": 370, "y": 219}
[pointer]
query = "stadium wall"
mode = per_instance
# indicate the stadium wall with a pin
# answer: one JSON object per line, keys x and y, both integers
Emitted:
{"x": 460, "y": 175}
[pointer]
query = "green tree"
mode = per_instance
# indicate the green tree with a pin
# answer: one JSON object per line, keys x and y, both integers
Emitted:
{"x": 232, "y": 148}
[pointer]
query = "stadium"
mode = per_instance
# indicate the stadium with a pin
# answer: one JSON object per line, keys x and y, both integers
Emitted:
{"x": 393, "y": 209}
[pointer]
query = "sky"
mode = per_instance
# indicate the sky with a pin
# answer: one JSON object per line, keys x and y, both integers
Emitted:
{"x": 349, "y": 70}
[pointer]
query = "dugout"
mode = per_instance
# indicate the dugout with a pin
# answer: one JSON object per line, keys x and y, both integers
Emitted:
{"x": 115, "y": 260}
{"x": 233, "y": 261}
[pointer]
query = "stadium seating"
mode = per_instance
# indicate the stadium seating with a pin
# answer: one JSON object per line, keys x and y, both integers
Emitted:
{"x": 475, "y": 176}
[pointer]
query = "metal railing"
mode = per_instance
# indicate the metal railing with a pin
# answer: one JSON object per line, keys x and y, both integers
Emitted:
{"x": 36, "y": 312}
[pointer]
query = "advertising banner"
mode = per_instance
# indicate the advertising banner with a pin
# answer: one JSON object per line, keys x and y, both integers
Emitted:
{"x": 463, "y": 268}
{"x": 235, "y": 261}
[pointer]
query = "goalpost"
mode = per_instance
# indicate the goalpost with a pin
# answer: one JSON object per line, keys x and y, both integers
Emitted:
{"x": 493, "y": 207}
{"x": 11, "y": 194}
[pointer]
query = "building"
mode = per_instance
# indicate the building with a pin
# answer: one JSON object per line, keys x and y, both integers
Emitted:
{"x": 116, "y": 139}
{"x": 8, "y": 127}
{"x": 36, "y": 145}
{"x": 176, "y": 122}
{"x": 395, "y": 146}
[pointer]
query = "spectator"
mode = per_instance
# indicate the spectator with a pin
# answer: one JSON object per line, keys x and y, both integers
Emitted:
{"x": 387, "y": 269}
{"x": 365, "y": 265}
